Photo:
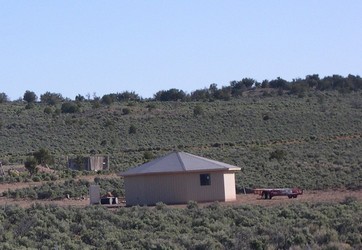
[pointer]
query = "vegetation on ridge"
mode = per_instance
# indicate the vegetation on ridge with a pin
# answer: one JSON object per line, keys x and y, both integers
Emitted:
{"x": 313, "y": 142}
{"x": 305, "y": 134}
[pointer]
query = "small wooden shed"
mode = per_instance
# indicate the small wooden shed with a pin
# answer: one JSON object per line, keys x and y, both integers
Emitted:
{"x": 179, "y": 177}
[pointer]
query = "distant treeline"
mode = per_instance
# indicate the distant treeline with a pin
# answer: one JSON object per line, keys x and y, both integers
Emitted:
{"x": 235, "y": 89}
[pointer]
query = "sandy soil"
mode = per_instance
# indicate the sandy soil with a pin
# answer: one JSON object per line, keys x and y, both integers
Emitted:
{"x": 20, "y": 185}
{"x": 29, "y": 203}
{"x": 330, "y": 196}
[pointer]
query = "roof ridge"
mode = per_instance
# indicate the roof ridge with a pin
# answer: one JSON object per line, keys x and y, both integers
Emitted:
{"x": 181, "y": 161}
{"x": 204, "y": 159}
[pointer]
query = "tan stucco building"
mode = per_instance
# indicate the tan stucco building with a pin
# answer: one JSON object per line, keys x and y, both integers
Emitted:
{"x": 179, "y": 177}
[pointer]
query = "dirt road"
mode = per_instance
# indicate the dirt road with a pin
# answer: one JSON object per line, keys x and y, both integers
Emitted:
{"x": 20, "y": 185}
{"x": 330, "y": 196}
{"x": 312, "y": 196}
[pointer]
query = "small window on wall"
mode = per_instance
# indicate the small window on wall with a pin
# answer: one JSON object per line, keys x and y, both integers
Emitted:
{"x": 205, "y": 180}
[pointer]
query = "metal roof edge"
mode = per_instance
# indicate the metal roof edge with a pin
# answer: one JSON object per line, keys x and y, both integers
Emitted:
{"x": 230, "y": 170}
{"x": 225, "y": 167}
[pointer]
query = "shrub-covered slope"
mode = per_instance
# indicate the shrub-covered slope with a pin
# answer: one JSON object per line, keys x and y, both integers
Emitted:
{"x": 311, "y": 142}
{"x": 320, "y": 226}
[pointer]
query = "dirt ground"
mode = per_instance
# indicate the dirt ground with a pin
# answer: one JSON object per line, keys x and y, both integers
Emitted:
{"x": 312, "y": 196}
{"x": 29, "y": 203}
{"x": 20, "y": 185}
{"x": 328, "y": 196}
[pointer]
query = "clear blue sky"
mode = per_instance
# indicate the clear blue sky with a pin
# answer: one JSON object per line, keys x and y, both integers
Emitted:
{"x": 79, "y": 47}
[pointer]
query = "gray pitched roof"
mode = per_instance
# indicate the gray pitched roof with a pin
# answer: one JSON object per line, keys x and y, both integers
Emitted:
{"x": 179, "y": 162}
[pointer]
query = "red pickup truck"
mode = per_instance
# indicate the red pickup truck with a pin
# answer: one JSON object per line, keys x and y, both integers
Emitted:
{"x": 268, "y": 193}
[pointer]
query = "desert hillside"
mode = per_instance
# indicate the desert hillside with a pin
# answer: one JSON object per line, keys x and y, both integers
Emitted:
{"x": 313, "y": 141}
